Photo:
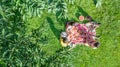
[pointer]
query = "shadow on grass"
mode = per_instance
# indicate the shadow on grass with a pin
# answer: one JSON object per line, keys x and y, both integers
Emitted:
{"x": 82, "y": 12}
{"x": 54, "y": 30}
{"x": 95, "y": 2}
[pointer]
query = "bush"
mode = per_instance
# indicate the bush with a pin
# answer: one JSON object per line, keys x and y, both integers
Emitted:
{"x": 19, "y": 49}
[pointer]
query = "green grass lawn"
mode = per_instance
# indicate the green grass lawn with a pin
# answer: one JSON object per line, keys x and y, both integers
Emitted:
{"x": 107, "y": 55}
{"x": 108, "y": 14}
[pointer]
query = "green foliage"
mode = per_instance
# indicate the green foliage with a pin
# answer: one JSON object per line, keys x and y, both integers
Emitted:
{"x": 30, "y": 8}
{"x": 17, "y": 47}
{"x": 30, "y": 30}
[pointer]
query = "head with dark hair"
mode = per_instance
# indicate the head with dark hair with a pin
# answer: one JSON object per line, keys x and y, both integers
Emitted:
{"x": 95, "y": 45}
{"x": 69, "y": 24}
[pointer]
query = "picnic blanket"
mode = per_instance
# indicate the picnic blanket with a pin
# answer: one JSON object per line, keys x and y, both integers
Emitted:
{"x": 80, "y": 34}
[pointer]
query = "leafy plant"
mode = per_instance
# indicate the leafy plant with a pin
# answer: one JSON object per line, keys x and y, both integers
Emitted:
{"x": 19, "y": 49}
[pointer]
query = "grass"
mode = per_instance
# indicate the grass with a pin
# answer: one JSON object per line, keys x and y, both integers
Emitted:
{"x": 107, "y": 55}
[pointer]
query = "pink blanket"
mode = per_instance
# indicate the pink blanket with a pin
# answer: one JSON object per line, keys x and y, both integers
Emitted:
{"x": 80, "y": 34}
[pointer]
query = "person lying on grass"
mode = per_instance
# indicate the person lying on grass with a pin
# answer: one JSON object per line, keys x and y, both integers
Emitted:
{"x": 77, "y": 33}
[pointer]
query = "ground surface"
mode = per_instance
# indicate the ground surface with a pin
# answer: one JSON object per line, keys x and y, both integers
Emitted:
{"x": 107, "y": 55}
{"x": 108, "y": 14}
